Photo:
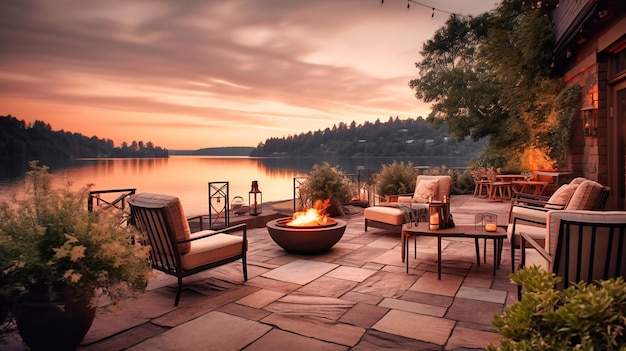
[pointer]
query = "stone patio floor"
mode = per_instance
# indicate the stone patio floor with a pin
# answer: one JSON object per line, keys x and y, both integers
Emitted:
{"x": 355, "y": 297}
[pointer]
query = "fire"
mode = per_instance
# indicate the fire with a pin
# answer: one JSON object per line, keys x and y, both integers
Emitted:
{"x": 312, "y": 216}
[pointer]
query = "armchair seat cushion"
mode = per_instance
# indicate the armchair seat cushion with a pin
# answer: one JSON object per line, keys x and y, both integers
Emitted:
{"x": 389, "y": 215}
{"x": 211, "y": 249}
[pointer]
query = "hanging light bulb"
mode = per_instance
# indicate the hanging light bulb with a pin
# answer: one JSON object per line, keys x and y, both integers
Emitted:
{"x": 433, "y": 15}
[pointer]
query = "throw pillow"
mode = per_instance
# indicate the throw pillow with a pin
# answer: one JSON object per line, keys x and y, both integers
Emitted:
{"x": 425, "y": 190}
{"x": 561, "y": 196}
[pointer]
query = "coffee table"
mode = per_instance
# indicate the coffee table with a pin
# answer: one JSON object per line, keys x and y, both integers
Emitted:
{"x": 459, "y": 231}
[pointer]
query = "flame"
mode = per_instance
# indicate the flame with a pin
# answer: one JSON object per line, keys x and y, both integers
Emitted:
{"x": 312, "y": 216}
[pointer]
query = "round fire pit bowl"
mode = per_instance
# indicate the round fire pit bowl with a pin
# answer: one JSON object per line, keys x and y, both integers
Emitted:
{"x": 305, "y": 240}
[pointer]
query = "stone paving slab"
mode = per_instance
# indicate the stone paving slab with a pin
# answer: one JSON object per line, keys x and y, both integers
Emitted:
{"x": 429, "y": 283}
{"x": 351, "y": 273}
{"x": 466, "y": 338}
{"x": 363, "y": 315}
{"x": 212, "y": 331}
{"x": 415, "y": 307}
{"x": 312, "y": 306}
{"x": 300, "y": 271}
{"x": 260, "y": 298}
{"x": 473, "y": 311}
{"x": 317, "y": 328}
{"x": 375, "y": 340}
{"x": 482, "y": 294}
{"x": 416, "y": 326}
{"x": 282, "y": 340}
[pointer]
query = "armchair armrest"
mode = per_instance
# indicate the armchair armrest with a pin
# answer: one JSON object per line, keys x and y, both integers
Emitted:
{"x": 526, "y": 238}
{"x": 396, "y": 197}
{"x": 214, "y": 232}
{"x": 198, "y": 218}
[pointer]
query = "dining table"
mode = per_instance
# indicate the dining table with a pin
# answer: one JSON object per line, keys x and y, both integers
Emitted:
{"x": 535, "y": 187}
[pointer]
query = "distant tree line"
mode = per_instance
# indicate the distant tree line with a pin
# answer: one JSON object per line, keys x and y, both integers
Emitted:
{"x": 394, "y": 138}
{"x": 21, "y": 143}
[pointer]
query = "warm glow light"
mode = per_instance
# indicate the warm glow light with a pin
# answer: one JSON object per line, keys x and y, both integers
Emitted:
{"x": 312, "y": 216}
{"x": 536, "y": 159}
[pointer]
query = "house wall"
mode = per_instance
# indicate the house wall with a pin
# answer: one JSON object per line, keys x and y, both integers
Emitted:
{"x": 587, "y": 64}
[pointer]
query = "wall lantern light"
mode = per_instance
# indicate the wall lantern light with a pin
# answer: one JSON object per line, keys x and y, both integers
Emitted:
{"x": 590, "y": 121}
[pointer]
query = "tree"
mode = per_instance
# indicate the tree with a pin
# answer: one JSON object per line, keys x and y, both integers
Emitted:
{"x": 491, "y": 76}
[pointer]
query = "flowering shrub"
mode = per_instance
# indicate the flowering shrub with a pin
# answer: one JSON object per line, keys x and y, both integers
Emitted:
{"x": 50, "y": 242}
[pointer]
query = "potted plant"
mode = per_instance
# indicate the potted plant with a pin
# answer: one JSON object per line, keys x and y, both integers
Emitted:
{"x": 57, "y": 258}
{"x": 326, "y": 182}
{"x": 581, "y": 317}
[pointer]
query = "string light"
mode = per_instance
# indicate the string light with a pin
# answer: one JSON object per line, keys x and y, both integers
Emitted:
{"x": 434, "y": 9}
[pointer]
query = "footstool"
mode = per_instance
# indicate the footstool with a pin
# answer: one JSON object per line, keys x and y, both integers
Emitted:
{"x": 388, "y": 218}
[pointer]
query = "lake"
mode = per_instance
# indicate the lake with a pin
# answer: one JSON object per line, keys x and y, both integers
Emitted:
{"x": 187, "y": 177}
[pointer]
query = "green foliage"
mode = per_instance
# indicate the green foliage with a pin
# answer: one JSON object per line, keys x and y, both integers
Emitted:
{"x": 558, "y": 137}
{"x": 491, "y": 76}
{"x": 326, "y": 182}
{"x": 581, "y": 317}
{"x": 50, "y": 241}
{"x": 396, "y": 178}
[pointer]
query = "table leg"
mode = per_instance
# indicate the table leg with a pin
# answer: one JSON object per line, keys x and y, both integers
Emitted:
{"x": 405, "y": 246}
{"x": 439, "y": 257}
{"x": 495, "y": 255}
{"x": 477, "y": 251}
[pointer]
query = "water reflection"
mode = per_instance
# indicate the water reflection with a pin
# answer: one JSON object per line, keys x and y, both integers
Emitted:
{"x": 188, "y": 176}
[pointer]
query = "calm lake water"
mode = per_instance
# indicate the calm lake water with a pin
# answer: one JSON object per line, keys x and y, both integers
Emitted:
{"x": 187, "y": 177}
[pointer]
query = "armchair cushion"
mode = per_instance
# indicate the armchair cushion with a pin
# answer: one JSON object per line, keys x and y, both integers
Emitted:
{"x": 211, "y": 249}
{"x": 585, "y": 196}
{"x": 174, "y": 215}
{"x": 426, "y": 189}
{"x": 562, "y": 196}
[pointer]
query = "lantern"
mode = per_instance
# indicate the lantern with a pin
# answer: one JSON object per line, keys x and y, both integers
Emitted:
{"x": 590, "y": 121}
{"x": 255, "y": 199}
{"x": 436, "y": 215}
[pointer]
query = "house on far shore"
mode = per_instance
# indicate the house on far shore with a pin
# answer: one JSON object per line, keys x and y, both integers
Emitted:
{"x": 591, "y": 52}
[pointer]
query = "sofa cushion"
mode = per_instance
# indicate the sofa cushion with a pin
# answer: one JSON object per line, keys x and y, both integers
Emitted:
{"x": 173, "y": 212}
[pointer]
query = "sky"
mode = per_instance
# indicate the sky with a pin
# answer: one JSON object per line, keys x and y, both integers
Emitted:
{"x": 192, "y": 74}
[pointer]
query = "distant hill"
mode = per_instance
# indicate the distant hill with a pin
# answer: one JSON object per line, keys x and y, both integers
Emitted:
{"x": 394, "y": 138}
{"x": 21, "y": 142}
{"x": 215, "y": 151}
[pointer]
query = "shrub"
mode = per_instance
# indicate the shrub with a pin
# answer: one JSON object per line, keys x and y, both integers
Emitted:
{"x": 581, "y": 317}
{"x": 327, "y": 182}
{"x": 396, "y": 178}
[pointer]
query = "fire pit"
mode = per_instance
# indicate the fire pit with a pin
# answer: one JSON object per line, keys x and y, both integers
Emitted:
{"x": 309, "y": 239}
{"x": 308, "y": 232}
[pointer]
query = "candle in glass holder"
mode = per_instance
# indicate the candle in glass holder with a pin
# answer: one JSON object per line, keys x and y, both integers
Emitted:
{"x": 434, "y": 222}
{"x": 491, "y": 227}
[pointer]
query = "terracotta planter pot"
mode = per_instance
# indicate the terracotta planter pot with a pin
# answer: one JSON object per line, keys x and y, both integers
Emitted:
{"x": 54, "y": 325}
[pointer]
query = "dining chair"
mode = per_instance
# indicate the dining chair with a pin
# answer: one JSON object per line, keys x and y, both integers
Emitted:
{"x": 176, "y": 251}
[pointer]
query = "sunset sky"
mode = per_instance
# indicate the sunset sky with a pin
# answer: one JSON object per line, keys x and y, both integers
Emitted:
{"x": 191, "y": 74}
